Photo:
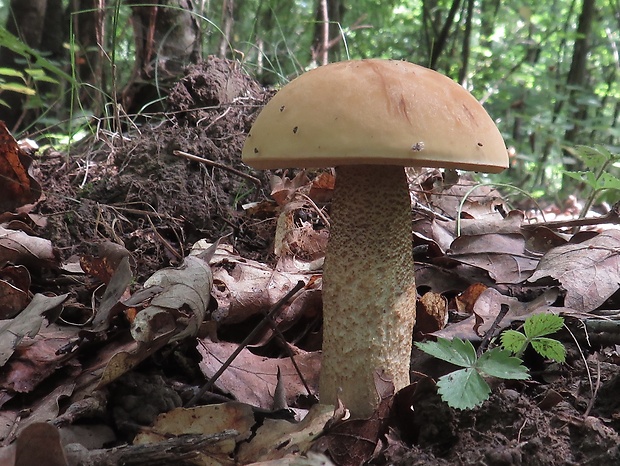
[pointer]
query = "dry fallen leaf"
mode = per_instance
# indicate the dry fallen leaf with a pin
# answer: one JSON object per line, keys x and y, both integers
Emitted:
{"x": 181, "y": 305}
{"x": 244, "y": 288}
{"x": 588, "y": 271}
{"x": 18, "y": 247}
{"x": 444, "y": 195}
{"x": 38, "y": 358}
{"x": 252, "y": 379}
{"x": 18, "y": 187}
{"x": 503, "y": 256}
{"x": 14, "y": 290}
{"x": 283, "y": 189}
{"x": 27, "y": 323}
{"x": 40, "y": 444}
{"x": 209, "y": 419}
{"x": 205, "y": 420}
{"x": 486, "y": 309}
{"x": 354, "y": 441}
{"x": 298, "y": 241}
{"x": 431, "y": 313}
{"x": 277, "y": 438}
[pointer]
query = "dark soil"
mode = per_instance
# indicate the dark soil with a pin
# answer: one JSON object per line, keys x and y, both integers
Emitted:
{"x": 136, "y": 192}
{"x": 558, "y": 422}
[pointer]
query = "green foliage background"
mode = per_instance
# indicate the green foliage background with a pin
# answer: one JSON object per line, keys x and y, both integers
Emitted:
{"x": 514, "y": 56}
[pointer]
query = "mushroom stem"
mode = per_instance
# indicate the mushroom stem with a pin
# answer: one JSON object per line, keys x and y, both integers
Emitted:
{"x": 368, "y": 287}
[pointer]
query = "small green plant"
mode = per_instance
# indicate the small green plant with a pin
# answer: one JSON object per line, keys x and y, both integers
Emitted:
{"x": 535, "y": 329}
{"x": 598, "y": 161}
{"x": 466, "y": 388}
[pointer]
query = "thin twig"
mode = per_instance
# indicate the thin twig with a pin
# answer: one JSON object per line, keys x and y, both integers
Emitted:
{"x": 595, "y": 391}
{"x": 287, "y": 347}
{"x": 583, "y": 358}
{"x": 166, "y": 244}
{"x": 504, "y": 308}
{"x": 612, "y": 217}
{"x": 272, "y": 312}
{"x": 195, "y": 158}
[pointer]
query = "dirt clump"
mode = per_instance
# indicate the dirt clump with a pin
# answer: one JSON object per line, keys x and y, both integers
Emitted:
{"x": 135, "y": 191}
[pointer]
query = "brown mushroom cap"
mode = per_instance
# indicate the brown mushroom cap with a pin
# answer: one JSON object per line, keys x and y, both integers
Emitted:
{"x": 375, "y": 111}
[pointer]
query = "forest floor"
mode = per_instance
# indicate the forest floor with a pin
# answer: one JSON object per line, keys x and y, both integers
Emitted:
{"x": 117, "y": 212}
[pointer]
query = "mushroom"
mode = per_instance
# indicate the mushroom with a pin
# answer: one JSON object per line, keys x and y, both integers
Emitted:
{"x": 369, "y": 118}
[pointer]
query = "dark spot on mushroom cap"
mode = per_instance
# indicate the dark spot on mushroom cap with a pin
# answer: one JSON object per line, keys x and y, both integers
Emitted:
{"x": 295, "y": 129}
{"x": 480, "y": 144}
{"x": 282, "y": 108}
{"x": 256, "y": 150}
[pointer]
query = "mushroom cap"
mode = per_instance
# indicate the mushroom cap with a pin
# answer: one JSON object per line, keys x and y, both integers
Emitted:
{"x": 374, "y": 111}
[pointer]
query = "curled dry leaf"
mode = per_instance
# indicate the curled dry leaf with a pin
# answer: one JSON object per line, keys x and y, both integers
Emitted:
{"x": 434, "y": 234}
{"x": 47, "y": 408}
{"x": 355, "y": 441}
{"x": 467, "y": 299}
{"x": 27, "y": 323}
{"x": 117, "y": 286}
{"x": 298, "y": 244}
{"x": 121, "y": 362}
{"x": 487, "y": 307}
{"x": 509, "y": 224}
{"x": 18, "y": 247}
{"x": 106, "y": 263}
{"x": 322, "y": 187}
{"x": 181, "y": 305}
{"x": 431, "y": 313}
{"x": 443, "y": 193}
{"x": 283, "y": 189}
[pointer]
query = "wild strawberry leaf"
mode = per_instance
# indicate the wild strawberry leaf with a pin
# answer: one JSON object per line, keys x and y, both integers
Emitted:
{"x": 463, "y": 389}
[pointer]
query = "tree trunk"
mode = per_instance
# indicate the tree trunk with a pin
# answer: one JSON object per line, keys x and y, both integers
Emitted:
{"x": 327, "y": 35}
{"x": 228, "y": 20}
{"x": 167, "y": 40}
{"x": 88, "y": 23}
{"x": 442, "y": 40}
{"x": 577, "y": 75}
{"x": 466, "y": 50}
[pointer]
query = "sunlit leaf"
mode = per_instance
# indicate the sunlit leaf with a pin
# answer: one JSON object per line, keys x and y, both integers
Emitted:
{"x": 550, "y": 348}
{"x": 17, "y": 87}
{"x": 513, "y": 341}
{"x": 540, "y": 325}
{"x": 11, "y": 72}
